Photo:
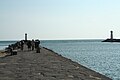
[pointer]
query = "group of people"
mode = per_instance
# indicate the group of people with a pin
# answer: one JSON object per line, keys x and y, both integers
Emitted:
{"x": 31, "y": 45}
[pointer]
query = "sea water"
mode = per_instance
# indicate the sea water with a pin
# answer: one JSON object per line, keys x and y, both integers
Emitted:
{"x": 4, "y": 44}
{"x": 103, "y": 57}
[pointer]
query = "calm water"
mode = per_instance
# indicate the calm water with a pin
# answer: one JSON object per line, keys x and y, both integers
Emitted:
{"x": 99, "y": 56}
{"x": 4, "y": 44}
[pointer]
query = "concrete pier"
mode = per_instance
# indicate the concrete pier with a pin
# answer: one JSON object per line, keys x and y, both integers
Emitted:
{"x": 47, "y": 65}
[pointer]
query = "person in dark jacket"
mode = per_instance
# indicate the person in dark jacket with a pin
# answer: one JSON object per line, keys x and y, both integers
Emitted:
{"x": 21, "y": 45}
{"x": 33, "y": 44}
{"x": 29, "y": 45}
{"x": 37, "y": 43}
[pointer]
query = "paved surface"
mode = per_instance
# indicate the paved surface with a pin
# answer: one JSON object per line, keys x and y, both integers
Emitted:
{"x": 29, "y": 65}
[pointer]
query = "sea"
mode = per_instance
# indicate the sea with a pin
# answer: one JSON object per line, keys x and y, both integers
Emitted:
{"x": 102, "y": 57}
{"x": 4, "y": 44}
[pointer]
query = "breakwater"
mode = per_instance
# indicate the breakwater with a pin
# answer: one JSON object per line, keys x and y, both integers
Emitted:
{"x": 46, "y": 65}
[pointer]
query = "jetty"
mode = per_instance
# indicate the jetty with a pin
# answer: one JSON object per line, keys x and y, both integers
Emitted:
{"x": 20, "y": 62}
{"x": 111, "y": 39}
{"x": 46, "y": 65}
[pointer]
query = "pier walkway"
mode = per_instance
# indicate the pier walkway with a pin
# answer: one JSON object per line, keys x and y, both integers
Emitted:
{"x": 46, "y": 65}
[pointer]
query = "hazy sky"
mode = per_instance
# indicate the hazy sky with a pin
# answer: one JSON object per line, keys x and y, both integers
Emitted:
{"x": 59, "y": 19}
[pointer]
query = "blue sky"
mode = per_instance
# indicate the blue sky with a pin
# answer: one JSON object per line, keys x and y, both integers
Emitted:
{"x": 59, "y": 19}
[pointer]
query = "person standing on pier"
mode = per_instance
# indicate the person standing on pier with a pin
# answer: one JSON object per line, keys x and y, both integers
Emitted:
{"x": 33, "y": 44}
{"x": 37, "y": 42}
{"x": 21, "y": 45}
{"x": 29, "y": 45}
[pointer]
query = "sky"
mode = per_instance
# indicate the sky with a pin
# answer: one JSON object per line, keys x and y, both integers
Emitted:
{"x": 59, "y": 19}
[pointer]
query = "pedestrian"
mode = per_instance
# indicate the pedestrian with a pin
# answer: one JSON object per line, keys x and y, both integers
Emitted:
{"x": 21, "y": 45}
{"x": 37, "y": 43}
{"x": 33, "y": 44}
{"x": 29, "y": 45}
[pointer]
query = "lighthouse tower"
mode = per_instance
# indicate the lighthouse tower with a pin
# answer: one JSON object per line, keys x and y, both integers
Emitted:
{"x": 25, "y": 36}
{"x": 111, "y": 35}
